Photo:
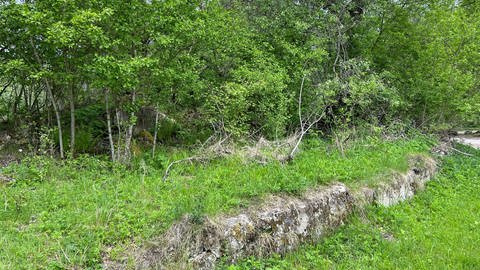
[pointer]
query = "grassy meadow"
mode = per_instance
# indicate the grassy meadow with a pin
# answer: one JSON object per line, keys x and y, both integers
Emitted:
{"x": 66, "y": 214}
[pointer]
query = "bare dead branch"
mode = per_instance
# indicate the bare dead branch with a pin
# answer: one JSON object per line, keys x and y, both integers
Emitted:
{"x": 211, "y": 153}
{"x": 300, "y": 104}
{"x": 189, "y": 159}
{"x": 461, "y": 152}
{"x": 309, "y": 123}
{"x": 302, "y": 134}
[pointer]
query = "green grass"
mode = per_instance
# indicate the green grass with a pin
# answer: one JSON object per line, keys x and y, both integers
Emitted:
{"x": 66, "y": 214}
{"x": 438, "y": 229}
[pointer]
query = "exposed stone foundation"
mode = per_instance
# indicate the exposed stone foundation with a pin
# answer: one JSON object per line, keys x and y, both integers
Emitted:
{"x": 278, "y": 225}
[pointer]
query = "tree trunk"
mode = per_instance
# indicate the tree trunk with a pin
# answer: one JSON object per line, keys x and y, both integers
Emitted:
{"x": 109, "y": 126}
{"x": 16, "y": 102}
{"x": 72, "y": 121}
{"x": 129, "y": 134}
{"x": 119, "y": 127}
{"x": 155, "y": 132}
{"x": 57, "y": 116}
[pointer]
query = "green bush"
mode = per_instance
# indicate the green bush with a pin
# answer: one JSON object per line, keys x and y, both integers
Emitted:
{"x": 255, "y": 100}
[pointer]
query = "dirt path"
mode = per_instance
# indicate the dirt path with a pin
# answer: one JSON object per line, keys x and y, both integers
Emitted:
{"x": 468, "y": 140}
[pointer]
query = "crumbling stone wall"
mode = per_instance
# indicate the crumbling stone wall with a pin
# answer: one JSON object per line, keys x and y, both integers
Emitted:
{"x": 278, "y": 225}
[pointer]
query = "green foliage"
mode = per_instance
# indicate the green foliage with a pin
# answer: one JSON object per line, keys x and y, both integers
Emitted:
{"x": 66, "y": 213}
{"x": 437, "y": 229}
{"x": 238, "y": 66}
{"x": 362, "y": 96}
{"x": 431, "y": 52}
{"x": 256, "y": 99}
{"x": 85, "y": 140}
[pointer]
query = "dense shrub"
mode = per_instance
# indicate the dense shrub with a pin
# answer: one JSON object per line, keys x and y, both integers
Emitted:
{"x": 236, "y": 67}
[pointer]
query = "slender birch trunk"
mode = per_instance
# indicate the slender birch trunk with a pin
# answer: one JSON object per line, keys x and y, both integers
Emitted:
{"x": 72, "y": 121}
{"x": 119, "y": 127}
{"x": 155, "y": 132}
{"x": 109, "y": 127}
{"x": 129, "y": 133}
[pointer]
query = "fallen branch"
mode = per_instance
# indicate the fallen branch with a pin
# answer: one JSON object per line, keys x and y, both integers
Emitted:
{"x": 212, "y": 150}
{"x": 190, "y": 159}
{"x": 460, "y": 152}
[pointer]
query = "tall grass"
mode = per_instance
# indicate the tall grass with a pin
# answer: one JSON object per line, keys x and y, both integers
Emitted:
{"x": 67, "y": 214}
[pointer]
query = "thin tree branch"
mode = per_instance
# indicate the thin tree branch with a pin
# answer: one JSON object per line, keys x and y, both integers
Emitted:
{"x": 4, "y": 88}
{"x": 300, "y": 103}
{"x": 460, "y": 152}
{"x": 167, "y": 171}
